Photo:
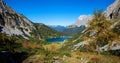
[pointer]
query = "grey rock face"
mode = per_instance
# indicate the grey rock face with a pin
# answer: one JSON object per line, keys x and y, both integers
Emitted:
{"x": 13, "y": 23}
{"x": 114, "y": 46}
{"x": 113, "y": 11}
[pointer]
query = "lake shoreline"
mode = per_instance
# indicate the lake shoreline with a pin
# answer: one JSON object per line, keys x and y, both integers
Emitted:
{"x": 58, "y": 39}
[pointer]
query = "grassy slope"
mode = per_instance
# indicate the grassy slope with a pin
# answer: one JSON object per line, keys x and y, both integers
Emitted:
{"x": 76, "y": 57}
{"x": 84, "y": 57}
{"x": 73, "y": 31}
{"x": 44, "y": 31}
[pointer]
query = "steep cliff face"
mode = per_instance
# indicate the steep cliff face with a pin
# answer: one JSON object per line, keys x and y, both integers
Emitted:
{"x": 113, "y": 11}
{"x": 13, "y": 23}
{"x": 113, "y": 14}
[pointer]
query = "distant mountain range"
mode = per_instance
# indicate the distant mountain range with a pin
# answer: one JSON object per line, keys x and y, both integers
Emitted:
{"x": 70, "y": 30}
{"x": 73, "y": 30}
{"x": 58, "y": 28}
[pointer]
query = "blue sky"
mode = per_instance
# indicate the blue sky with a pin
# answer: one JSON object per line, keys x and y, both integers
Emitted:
{"x": 57, "y": 12}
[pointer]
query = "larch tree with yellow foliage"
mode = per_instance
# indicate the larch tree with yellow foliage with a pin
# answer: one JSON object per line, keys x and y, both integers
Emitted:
{"x": 100, "y": 31}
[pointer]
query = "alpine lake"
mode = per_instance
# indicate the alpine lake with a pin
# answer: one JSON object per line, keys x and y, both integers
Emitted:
{"x": 59, "y": 39}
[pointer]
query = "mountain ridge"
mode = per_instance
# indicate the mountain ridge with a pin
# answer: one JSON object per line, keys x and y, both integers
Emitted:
{"x": 13, "y": 23}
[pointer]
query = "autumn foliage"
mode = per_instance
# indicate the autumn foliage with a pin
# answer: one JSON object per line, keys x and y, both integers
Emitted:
{"x": 27, "y": 44}
{"x": 53, "y": 48}
{"x": 99, "y": 31}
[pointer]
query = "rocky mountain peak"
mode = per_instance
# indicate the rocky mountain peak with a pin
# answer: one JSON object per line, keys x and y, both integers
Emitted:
{"x": 83, "y": 19}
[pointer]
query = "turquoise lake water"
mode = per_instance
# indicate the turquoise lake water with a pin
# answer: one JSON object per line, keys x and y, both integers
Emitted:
{"x": 61, "y": 39}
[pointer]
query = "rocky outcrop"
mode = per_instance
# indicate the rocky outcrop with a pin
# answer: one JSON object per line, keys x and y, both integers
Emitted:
{"x": 113, "y": 11}
{"x": 13, "y": 23}
{"x": 114, "y": 46}
{"x": 81, "y": 44}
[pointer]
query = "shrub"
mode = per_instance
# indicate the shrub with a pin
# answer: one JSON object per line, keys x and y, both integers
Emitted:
{"x": 7, "y": 43}
{"x": 67, "y": 53}
{"x": 115, "y": 52}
